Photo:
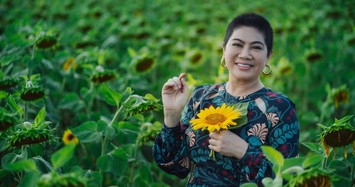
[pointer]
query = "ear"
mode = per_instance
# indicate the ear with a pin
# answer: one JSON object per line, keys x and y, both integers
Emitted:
{"x": 223, "y": 48}
{"x": 271, "y": 52}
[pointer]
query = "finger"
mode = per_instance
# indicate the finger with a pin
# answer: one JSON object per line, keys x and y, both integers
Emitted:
{"x": 214, "y": 148}
{"x": 173, "y": 83}
{"x": 177, "y": 82}
{"x": 183, "y": 82}
{"x": 214, "y": 135}
{"x": 169, "y": 84}
{"x": 212, "y": 142}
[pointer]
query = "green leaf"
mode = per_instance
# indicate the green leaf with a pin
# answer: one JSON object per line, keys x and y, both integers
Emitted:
{"x": 132, "y": 53}
{"x": 249, "y": 184}
{"x": 87, "y": 132}
{"x": 290, "y": 172}
{"x": 94, "y": 178}
{"x": 101, "y": 125}
{"x": 145, "y": 174}
{"x": 273, "y": 155}
{"x": 312, "y": 161}
{"x": 110, "y": 132}
{"x": 3, "y": 94}
{"x": 104, "y": 163}
{"x": 295, "y": 161}
{"x": 40, "y": 117}
{"x": 14, "y": 105}
{"x": 72, "y": 102}
{"x": 268, "y": 182}
{"x": 111, "y": 96}
{"x": 22, "y": 165}
{"x": 63, "y": 155}
{"x": 150, "y": 97}
{"x": 30, "y": 180}
{"x": 126, "y": 127}
{"x": 313, "y": 147}
{"x": 116, "y": 161}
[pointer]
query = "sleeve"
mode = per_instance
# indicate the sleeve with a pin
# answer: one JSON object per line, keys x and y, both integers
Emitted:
{"x": 283, "y": 135}
{"x": 170, "y": 146}
{"x": 169, "y": 151}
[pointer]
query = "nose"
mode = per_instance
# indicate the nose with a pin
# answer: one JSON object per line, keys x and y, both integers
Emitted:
{"x": 245, "y": 53}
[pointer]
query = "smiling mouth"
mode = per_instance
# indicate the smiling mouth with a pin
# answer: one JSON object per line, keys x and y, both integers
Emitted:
{"x": 244, "y": 65}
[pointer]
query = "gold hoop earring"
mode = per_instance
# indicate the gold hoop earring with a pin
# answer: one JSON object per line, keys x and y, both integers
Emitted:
{"x": 267, "y": 69}
{"x": 223, "y": 64}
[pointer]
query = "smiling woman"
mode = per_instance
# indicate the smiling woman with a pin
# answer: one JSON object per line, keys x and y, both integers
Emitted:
{"x": 237, "y": 156}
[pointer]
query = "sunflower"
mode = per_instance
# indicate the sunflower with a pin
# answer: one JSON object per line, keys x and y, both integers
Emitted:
{"x": 46, "y": 41}
{"x": 32, "y": 93}
{"x": 313, "y": 55}
{"x": 340, "y": 95}
{"x": 311, "y": 177}
{"x": 101, "y": 77}
{"x": 339, "y": 134}
{"x": 215, "y": 119}
{"x": 70, "y": 63}
{"x": 68, "y": 137}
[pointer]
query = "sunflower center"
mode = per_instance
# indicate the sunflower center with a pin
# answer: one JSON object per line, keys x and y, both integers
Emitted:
{"x": 70, "y": 137}
{"x": 214, "y": 119}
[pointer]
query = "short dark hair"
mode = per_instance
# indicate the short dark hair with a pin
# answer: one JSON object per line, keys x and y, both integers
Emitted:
{"x": 252, "y": 20}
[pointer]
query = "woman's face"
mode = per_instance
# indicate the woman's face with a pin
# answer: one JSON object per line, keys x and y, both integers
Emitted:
{"x": 245, "y": 54}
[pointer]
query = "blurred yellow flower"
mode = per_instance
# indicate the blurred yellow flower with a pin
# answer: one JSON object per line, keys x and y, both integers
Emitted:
{"x": 69, "y": 63}
{"x": 215, "y": 119}
{"x": 68, "y": 137}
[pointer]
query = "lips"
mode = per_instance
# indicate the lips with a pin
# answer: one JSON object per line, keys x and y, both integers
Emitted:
{"x": 243, "y": 65}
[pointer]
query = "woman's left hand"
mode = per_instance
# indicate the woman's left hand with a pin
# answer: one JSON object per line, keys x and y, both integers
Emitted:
{"x": 227, "y": 143}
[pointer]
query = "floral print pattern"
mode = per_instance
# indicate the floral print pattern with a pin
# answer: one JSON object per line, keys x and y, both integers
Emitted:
{"x": 272, "y": 121}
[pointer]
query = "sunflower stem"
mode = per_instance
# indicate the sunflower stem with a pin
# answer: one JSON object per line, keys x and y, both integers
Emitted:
{"x": 213, "y": 155}
{"x": 116, "y": 114}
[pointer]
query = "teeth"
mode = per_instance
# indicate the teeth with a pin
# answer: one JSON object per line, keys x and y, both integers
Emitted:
{"x": 244, "y": 65}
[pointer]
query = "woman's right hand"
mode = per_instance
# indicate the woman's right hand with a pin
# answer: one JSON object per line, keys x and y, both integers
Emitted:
{"x": 174, "y": 95}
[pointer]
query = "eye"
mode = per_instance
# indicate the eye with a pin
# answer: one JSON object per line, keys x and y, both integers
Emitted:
{"x": 257, "y": 47}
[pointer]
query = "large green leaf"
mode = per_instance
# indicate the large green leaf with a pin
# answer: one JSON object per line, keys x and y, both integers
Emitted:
{"x": 22, "y": 165}
{"x": 116, "y": 161}
{"x": 29, "y": 180}
{"x": 312, "y": 146}
{"x": 273, "y": 155}
{"x": 313, "y": 161}
{"x": 14, "y": 105}
{"x": 71, "y": 101}
{"x": 249, "y": 185}
{"x": 87, "y": 132}
{"x": 63, "y": 155}
{"x": 111, "y": 96}
{"x": 94, "y": 178}
{"x": 40, "y": 116}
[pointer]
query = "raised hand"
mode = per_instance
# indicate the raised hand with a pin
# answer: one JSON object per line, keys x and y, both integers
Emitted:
{"x": 174, "y": 95}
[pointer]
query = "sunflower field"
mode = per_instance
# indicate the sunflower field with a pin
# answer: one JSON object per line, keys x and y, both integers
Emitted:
{"x": 80, "y": 85}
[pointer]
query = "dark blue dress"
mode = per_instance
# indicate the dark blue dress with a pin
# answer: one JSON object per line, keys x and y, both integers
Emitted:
{"x": 271, "y": 121}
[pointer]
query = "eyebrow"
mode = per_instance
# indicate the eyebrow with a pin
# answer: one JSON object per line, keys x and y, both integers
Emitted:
{"x": 254, "y": 42}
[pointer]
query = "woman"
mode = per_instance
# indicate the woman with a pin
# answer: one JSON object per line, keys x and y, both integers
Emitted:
{"x": 271, "y": 117}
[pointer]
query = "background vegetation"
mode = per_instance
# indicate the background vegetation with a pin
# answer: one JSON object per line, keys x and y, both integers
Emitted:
{"x": 97, "y": 67}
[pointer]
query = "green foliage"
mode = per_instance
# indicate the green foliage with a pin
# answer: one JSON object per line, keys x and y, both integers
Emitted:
{"x": 62, "y": 156}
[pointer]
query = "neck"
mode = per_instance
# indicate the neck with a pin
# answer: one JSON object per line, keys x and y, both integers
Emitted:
{"x": 237, "y": 88}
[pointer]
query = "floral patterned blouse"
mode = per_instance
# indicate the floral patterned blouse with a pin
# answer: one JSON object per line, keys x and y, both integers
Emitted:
{"x": 271, "y": 121}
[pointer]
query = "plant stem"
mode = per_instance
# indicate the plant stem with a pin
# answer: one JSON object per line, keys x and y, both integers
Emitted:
{"x": 25, "y": 112}
{"x": 324, "y": 163}
{"x": 116, "y": 114}
{"x": 90, "y": 103}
